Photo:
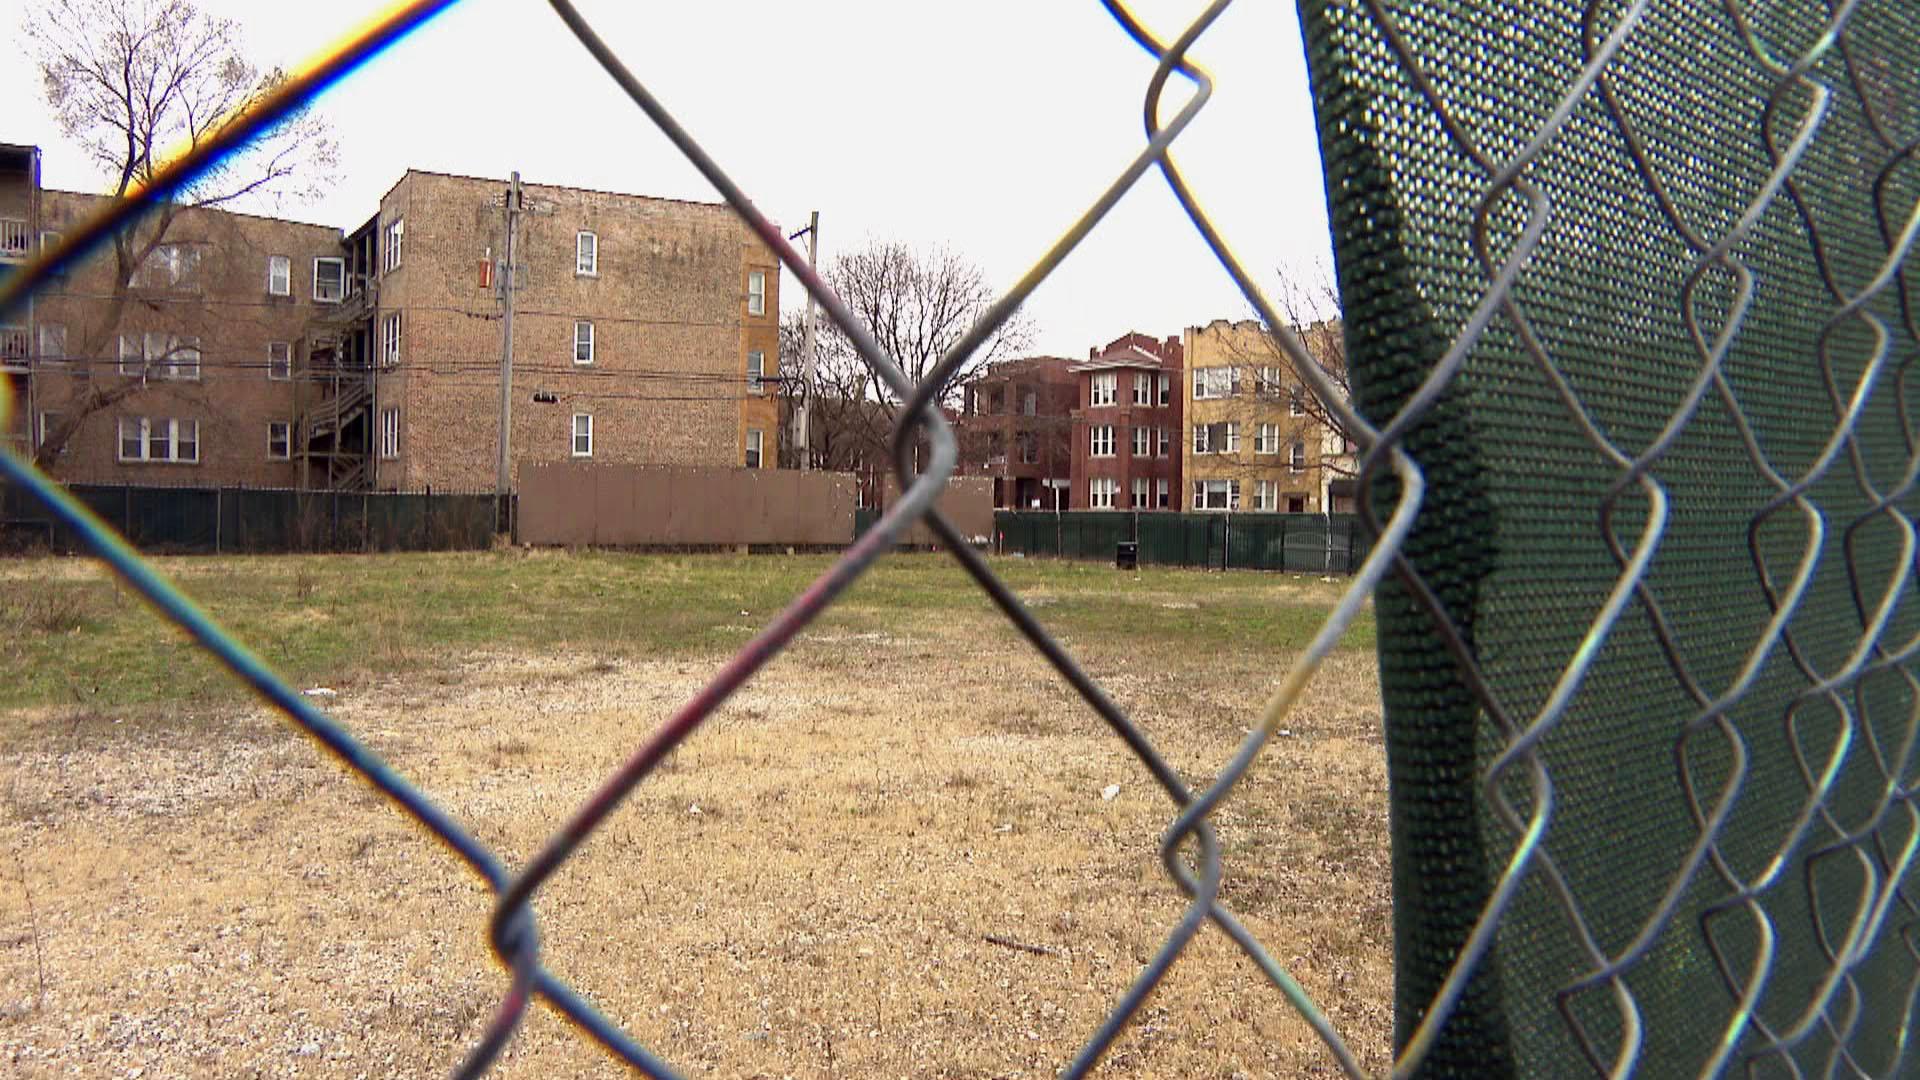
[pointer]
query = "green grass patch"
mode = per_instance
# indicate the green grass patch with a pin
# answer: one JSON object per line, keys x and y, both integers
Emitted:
{"x": 72, "y": 637}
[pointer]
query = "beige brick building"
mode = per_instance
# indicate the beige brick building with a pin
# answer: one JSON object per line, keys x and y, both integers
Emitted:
{"x": 1253, "y": 440}
{"x": 260, "y": 352}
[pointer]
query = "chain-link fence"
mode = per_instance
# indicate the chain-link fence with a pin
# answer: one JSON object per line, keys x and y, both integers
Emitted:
{"x": 1629, "y": 330}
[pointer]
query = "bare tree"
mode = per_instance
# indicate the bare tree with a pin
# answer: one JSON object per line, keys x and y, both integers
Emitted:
{"x": 1313, "y": 309}
{"x": 916, "y": 305}
{"x": 132, "y": 82}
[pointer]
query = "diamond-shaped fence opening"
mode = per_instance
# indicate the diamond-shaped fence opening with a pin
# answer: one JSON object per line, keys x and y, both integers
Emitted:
{"x": 1629, "y": 328}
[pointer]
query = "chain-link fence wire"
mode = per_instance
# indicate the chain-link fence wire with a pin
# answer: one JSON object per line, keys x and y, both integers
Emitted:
{"x": 1504, "y": 225}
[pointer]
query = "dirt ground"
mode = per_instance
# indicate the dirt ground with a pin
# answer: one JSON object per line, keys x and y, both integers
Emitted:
{"x": 806, "y": 889}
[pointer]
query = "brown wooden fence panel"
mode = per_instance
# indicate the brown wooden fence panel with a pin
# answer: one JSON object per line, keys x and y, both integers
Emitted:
{"x": 577, "y": 504}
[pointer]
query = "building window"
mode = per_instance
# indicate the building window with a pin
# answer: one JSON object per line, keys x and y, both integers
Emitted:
{"x": 1141, "y": 494}
{"x": 279, "y": 360}
{"x": 161, "y": 356}
{"x": 1297, "y": 458}
{"x": 1104, "y": 384}
{"x": 170, "y": 266}
{"x": 49, "y": 423}
{"x": 1216, "y": 382}
{"x": 756, "y": 292}
{"x": 582, "y": 341}
{"x": 1029, "y": 445}
{"x": 1102, "y": 443}
{"x": 1230, "y": 437}
{"x": 1296, "y": 402}
{"x": 1166, "y": 390}
{"x": 159, "y": 438}
{"x": 1296, "y": 504}
{"x": 1142, "y": 388}
{"x": 389, "y": 433}
{"x": 329, "y": 280}
{"x": 582, "y": 434}
{"x": 1266, "y": 495}
{"x": 1216, "y": 494}
{"x": 1267, "y": 439}
{"x": 1030, "y": 404}
{"x": 1202, "y": 439}
{"x": 1160, "y": 494}
{"x": 279, "y": 275}
{"x": 756, "y": 439}
{"x": 1100, "y": 492}
{"x": 396, "y": 234}
{"x": 279, "y": 440}
{"x": 1142, "y": 442}
{"x": 1268, "y": 383}
{"x": 390, "y": 339}
{"x": 53, "y": 343}
{"x": 1166, "y": 441}
{"x": 586, "y": 254}
{"x": 756, "y": 372}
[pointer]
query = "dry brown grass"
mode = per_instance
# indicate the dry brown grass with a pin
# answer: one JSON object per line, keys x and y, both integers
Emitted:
{"x": 212, "y": 897}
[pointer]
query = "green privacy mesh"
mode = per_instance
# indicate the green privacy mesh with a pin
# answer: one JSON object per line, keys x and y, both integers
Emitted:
{"x": 1708, "y": 239}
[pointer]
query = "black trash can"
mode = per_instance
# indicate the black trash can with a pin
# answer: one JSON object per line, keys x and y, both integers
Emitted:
{"x": 1126, "y": 555}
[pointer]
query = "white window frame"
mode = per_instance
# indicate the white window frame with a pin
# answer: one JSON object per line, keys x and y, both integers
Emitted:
{"x": 1100, "y": 492}
{"x": 1204, "y": 490}
{"x": 133, "y": 360}
{"x": 1230, "y": 440}
{"x": 1142, "y": 388}
{"x": 586, "y": 253}
{"x": 1297, "y": 402}
{"x": 756, "y": 292}
{"x": 166, "y": 356}
{"x": 335, "y": 261}
{"x": 174, "y": 440}
{"x": 1104, "y": 389}
{"x": 1142, "y": 494}
{"x": 284, "y": 429}
{"x": 1100, "y": 441}
{"x": 1202, "y": 439}
{"x": 279, "y": 275}
{"x": 392, "y": 335}
{"x": 1266, "y": 496}
{"x": 1266, "y": 440}
{"x": 583, "y": 338}
{"x": 48, "y": 420}
{"x": 389, "y": 434}
{"x": 53, "y": 342}
{"x": 755, "y": 457}
{"x": 1142, "y": 442}
{"x": 1161, "y": 493}
{"x": 1297, "y": 457}
{"x": 1166, "y": 441}
{"x": 393, "y": 240}
{"x": 756, "y": 371}
{"x": 1166, "y": 389}
{"x": 280, "y": 368}
{"x": 582, "y": 432}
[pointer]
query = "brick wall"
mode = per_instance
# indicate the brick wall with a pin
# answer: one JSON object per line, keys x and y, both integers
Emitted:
{"x": 667, "y": 305}
{"x": 223, "y": 301}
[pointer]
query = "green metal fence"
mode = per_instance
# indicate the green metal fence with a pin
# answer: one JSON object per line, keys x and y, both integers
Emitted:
{"x": 1298, "y": 543}
{"x": 255, "y": 520}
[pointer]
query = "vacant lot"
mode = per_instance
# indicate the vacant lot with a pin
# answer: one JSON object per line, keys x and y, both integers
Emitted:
{"x": 807, "y": 888}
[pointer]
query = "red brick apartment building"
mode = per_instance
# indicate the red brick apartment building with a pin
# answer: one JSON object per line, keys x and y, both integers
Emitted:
{"x": 1015, "y": 426}
{"x": 253, "y": 351}
{"x": 1127, "y": 425}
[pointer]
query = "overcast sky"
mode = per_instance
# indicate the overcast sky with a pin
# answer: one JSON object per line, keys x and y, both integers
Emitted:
{"x": 987, "y": 126}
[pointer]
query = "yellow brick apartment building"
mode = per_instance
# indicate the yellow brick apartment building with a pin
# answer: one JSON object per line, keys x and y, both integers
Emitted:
{"x": 1253, "y": 440}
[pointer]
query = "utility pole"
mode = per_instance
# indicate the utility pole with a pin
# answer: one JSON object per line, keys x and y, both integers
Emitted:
{"x": 807, "y": 350}
{"x": 508, "y": 280}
